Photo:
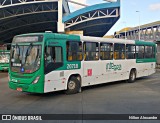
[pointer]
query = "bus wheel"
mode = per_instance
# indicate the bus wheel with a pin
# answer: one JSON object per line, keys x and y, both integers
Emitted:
{"x": 132, "y": 76}
{"x": 73, "y": 86}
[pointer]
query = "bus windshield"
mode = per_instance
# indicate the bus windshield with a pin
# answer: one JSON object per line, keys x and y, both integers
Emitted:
{"x": 4, "y": 57}
{"x": 25, "y": 58}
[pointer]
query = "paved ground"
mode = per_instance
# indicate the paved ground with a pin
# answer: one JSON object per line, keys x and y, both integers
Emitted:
{"x": 141, "y": 97}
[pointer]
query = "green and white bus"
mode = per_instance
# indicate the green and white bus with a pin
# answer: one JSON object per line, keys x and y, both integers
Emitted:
{"x": 47, "y": 62}
{"x": 4, "y": 59}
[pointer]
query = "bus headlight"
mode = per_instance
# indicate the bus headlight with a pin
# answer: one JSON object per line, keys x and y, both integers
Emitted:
{"x": 36, "y": 80}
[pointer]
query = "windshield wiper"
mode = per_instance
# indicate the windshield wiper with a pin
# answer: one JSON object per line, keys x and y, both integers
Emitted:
{"x": 28, "y": 52}
{"x": 17, "y": 46}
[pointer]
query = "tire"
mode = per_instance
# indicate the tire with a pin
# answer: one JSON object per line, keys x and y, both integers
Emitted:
{"x": 132, "y": 76}
{"x": 73, "y": 86}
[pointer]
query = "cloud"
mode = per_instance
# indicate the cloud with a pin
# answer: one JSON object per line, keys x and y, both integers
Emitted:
{"x": 154, "y": 7}
{"x": 75, "y": 6}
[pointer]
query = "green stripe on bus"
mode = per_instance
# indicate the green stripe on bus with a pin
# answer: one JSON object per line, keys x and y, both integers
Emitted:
{"x": 145, "y": 43}
{"x": 145, "y": 60}
{"x": 137, "y": 42}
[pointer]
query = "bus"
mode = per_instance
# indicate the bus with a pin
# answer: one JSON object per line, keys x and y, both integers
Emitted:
{"x": 4, "y": 58}
{"x": 47, "y": 62}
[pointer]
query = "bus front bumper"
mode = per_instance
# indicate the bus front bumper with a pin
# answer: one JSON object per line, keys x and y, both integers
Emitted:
{"x": 32, "y": 88}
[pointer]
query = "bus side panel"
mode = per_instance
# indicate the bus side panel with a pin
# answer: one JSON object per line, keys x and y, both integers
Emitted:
{"x": 91, "y": 72}
{"x": 152, "y": 70}
{"x": 145, "y": 69}
{"x": 57, "y": 80}
{"x": 122, "y": 69}
{"x": 103, "y": 71}
{"x": 54, "y": 81}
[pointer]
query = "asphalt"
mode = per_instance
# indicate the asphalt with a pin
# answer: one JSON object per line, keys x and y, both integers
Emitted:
{"x": 141, "y": 97}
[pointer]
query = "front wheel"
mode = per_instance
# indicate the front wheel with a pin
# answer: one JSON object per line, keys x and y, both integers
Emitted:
{"x": 73, "y": 86}
{"x": 132, "y": 76}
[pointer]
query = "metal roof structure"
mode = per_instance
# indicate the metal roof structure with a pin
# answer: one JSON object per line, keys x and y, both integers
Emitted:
{"x": 28, "y": 16}
{"x": 148, "y": 32}
{"x": 94, "y": 20}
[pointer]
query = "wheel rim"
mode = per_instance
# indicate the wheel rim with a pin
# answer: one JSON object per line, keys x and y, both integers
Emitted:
{"x": 71, "y": 85}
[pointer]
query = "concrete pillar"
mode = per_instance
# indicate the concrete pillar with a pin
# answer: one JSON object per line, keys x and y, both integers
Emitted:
{"x": 60, "y": 24}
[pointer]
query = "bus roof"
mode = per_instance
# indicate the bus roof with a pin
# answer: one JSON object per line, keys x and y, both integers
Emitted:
{"x": 54, "y": 35}
{"x": 115, "y": 40}
{"x": 89, "y": 38}
{"x": 110, "y": 40}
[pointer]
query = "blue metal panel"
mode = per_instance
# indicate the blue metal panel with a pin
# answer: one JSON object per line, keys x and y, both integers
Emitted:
{"x": 91, "y": 8}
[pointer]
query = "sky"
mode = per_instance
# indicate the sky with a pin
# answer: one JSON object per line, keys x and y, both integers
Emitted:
{"x": 149, "y": 11}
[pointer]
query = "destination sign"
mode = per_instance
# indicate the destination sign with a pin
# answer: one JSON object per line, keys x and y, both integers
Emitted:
{"x": 28, "y": 39}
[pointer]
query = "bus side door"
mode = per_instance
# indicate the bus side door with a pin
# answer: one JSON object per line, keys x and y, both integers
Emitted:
{"x": 54, "y": 63}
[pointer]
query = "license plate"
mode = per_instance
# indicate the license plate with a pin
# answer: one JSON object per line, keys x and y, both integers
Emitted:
{"x": 19, "y": 89}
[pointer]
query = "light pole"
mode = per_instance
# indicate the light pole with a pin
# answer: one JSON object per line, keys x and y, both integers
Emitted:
{"x": 125, "y": 31}
{"x": 139, "y": 25}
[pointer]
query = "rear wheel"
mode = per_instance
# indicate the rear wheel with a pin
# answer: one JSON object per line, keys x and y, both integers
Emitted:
{"x": 73, "y": 86}
{"x": 132, "y": 76}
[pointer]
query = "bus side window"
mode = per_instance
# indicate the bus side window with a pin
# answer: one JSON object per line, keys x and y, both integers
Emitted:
{"x": 48, "y": 53}
{"x": 53, "y": 54}
{"x": 106, "y": 50}
{"x": 74, "y": 51}
{"x": 140, "y": 52}
{"x": 91, "y": 51}
{"x": 149, "y": 52}
{"x": 153, "y": 52}
{"x": 53, "y": 58}
{"x": 119, "y": 51}
{"x": 130, "y": 51}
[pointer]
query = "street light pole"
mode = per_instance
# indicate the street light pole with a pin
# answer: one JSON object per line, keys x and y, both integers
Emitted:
{"x": 139, "y": 25}
{"x": 125, "y": 31}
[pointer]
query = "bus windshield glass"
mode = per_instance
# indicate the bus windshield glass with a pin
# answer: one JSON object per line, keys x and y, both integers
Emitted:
{"x": 4, "y": 57}
{"x": 25, "y": 58}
